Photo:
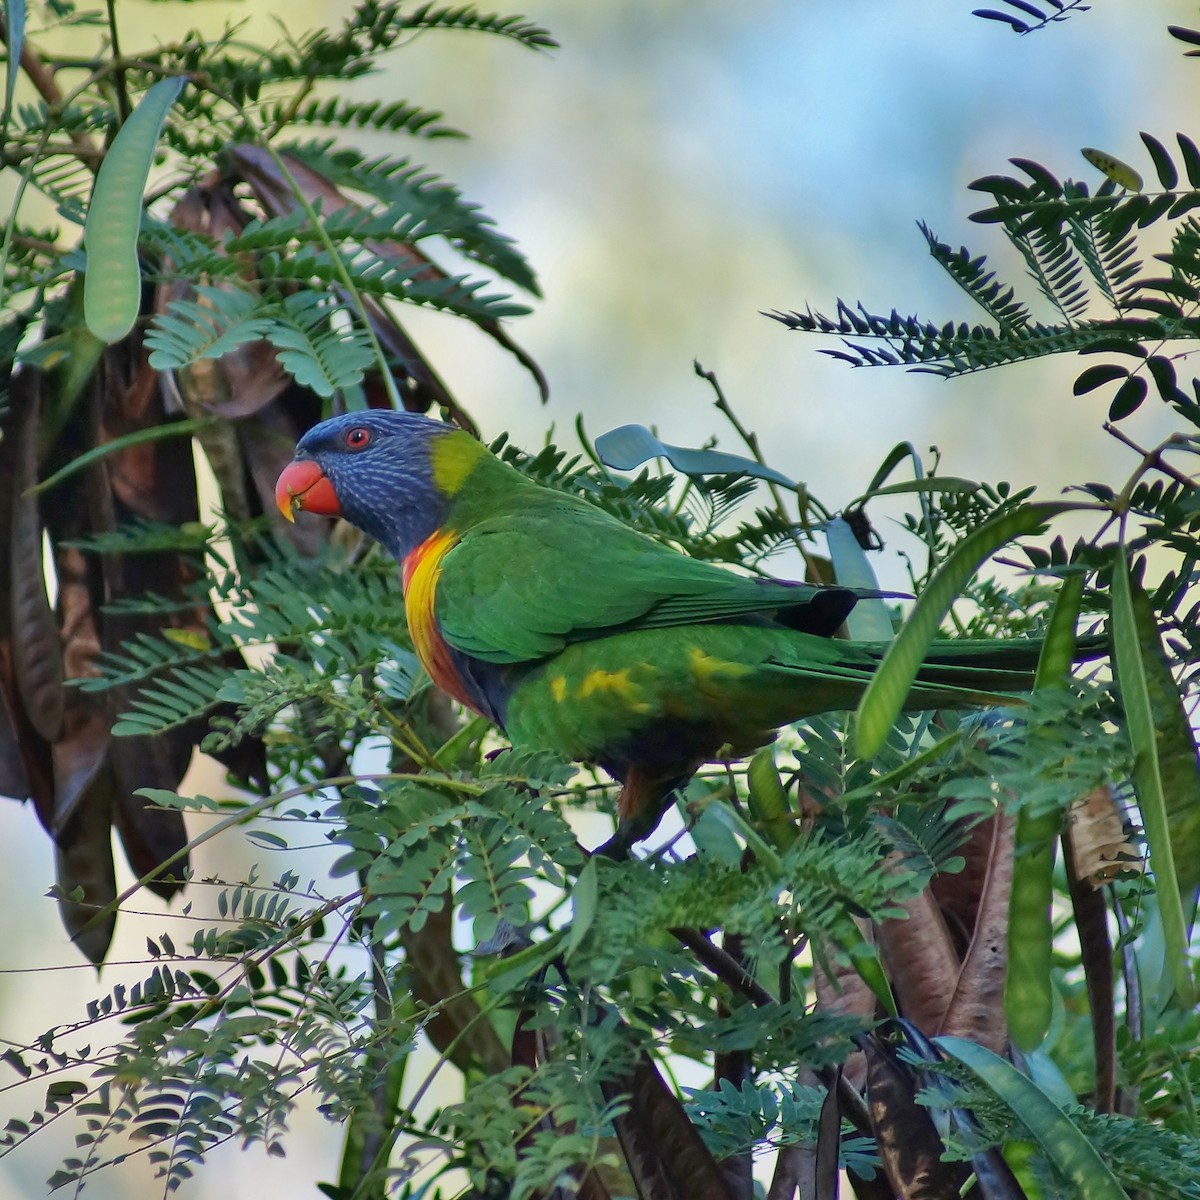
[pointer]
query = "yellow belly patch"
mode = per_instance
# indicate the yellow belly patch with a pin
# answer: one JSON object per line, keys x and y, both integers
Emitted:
{"x": 608, "y": 681}
{"x": 617, "y": 684}
{"x": 706, "y": 667}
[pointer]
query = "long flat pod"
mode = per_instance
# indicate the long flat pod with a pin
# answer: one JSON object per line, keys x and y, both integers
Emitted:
{"x": 113, "y": 283}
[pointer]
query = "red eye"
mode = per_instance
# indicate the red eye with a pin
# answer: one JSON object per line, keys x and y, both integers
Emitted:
{"x": 358, "y": 438}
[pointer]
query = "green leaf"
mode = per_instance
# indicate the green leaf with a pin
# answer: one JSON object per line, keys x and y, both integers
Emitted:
{"x": 768, "y": 800}
{"x": 268, "y": 841}
{"x": 1028, "y": 987}
{"x": 736, "y": 823}
{"x": 1129, "y": 397}
{"x": 152, "y": 433}
{"x": 1059, "y": 642}
{"x": 1168, "y": 175}
{"x": 1176, "y": 747}
{"x": 885, "y": 694}
{"x": 1162, "y": 371}
{"x": 895, "y": 457}
{"x": 1097, "y": 376}
{"x": 585, "y": 897}
{"x": 628, "y": 446}
{"x": 1133, "y": 682}
{"x": 1061, "y": 1141}
{"x": 1191, "y": 158}
{"x": 869, "y": 620}
{"x": 942, "y": 483}
{"x": 112, "y": 286}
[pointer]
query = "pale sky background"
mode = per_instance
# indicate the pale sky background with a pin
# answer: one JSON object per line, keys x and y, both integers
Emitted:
{"x": 672, "y": 170}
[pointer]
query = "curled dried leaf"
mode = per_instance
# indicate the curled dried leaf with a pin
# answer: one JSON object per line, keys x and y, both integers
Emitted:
{"x": 85, "y": 872}
{"x": 1100, "y": 847}
{"x": 37, "y": 657}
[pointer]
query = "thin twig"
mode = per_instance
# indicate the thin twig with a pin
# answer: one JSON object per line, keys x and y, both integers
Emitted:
{"x": 123, "y": 108}
{"x": 803, "y": 500}
{"x": 1151, "y": 459}
{"x": 724, "y": 966}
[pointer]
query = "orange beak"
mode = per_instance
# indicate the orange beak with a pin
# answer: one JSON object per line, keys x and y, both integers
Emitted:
{"x": 303, "y": 485}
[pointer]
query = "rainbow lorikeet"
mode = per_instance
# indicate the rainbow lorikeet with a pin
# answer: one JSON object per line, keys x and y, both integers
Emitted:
{"x": 575, "y": 633}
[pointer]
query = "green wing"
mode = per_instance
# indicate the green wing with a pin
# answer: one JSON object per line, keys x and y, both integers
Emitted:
{"x": 523, "y": 586}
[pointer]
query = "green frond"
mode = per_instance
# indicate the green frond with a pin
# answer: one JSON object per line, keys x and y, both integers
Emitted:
{"x": 1023, "y": 16}
{"x": 65, "y": 179}
{"x": 218, "y": 321}
{"x": 466, "y": 16}
{"x": 183, "y": 253}
{"x": 957, "y": 349}
{"x": 142, "y": 535}
{"x": 396, "y": 116}
{"x": 405, "y": 896}
{"x": 981, "y": 285}
{"x": 320, "y": 355}
{"x": 923, "y": 836}
{"x": 429, "y": 199}
{"x": 1042, "y": 240}
{"x": 142, "y": 657}
{"x": 173, "y": 698}
{"x": 1113, "y": 260}
{"x": 1067, "y": 237}
{"x": 392, "y": 223}
{"x": 774, "y": 1111}
{"x": 1184, "y": 255}
{"x": 494, "y": 883}
{"x": 1150, "y": 1159}
{"x": 393, "y": 279}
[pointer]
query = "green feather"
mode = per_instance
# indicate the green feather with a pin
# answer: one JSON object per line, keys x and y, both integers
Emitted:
{"x": 550, "y": 570}
{"x": 676, "y": 696}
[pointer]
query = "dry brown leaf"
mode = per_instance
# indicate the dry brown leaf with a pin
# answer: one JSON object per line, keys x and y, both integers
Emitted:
{"x": 921, "y": 962}
{"x": 84, "y": 870}
{"x": 662, "y": 1148}
{"x": 36, "y": 653}
{"x": 1100, "y": 848}
{"x": 976, "y": 1011}
{"x": 958, "y": 892}
{"x": 908, "y": 1143}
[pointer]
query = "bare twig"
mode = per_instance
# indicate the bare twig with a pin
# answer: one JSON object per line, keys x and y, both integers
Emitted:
{"x": 724, "y": 966}
{"x": 1151, "y": 459}
{"x": 803, "y": 500}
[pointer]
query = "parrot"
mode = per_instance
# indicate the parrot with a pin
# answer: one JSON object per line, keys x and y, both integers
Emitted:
{"x": 575, "y": 633}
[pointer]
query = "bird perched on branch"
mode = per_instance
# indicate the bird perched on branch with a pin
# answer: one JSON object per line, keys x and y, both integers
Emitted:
{"x": 577, "y": 634}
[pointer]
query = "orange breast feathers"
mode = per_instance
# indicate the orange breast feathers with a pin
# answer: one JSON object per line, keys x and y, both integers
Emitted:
{"x": 419, "y": 574}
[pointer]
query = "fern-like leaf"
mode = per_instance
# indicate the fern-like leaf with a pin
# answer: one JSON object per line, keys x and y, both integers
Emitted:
{"x": 436, "y": 204}
{"x": 318, "y": 355}
{"x": 218, "y": 321}
{"x": 466, "y": 16}
{"x": 981, "y": 285}
{"x": 396, "y": 116}
{"x": 1024, "y": 16}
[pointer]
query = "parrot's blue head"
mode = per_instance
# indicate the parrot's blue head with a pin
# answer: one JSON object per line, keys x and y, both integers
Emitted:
{"x": 391, "y": 474}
